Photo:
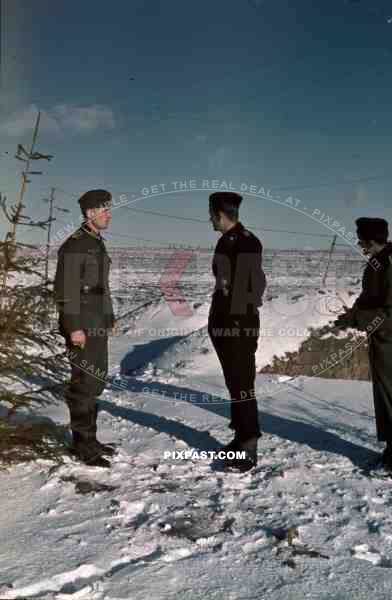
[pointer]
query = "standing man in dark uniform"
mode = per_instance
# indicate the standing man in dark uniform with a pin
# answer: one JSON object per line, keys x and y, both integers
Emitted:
{"x": 234, "y": 311}
{"x": 85, "y": 316}
{"x": 372, "y": 313}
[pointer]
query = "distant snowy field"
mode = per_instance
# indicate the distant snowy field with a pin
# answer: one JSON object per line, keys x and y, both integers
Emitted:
{"x": 307, "y": 523}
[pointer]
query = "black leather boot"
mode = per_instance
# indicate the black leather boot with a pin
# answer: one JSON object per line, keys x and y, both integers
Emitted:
{"x": 249, "y": 448}
{"x": 108, "y": 449}
{"x": 230, "y": 447}
{"x": 386, "y": 458}
{"x": 87, "y": 451}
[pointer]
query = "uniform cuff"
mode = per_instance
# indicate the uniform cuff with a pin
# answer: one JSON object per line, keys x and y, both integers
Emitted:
{"x": 71, "y": 323}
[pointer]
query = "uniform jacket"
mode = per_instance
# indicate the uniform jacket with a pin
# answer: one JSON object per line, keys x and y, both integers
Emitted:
{"x": 375, "y": 301}
{"x": 81, "y": 284}
{"x": 239, "y": 278}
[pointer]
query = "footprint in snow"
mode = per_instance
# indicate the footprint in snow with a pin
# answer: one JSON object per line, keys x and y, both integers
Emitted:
{"x": 363, "y": 552}
{"x": 177, "y": 554}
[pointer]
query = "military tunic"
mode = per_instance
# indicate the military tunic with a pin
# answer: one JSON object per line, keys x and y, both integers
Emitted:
{"x": 234, "y": 321}
{"x": 84, "y": 303}
{"x": 372, "y": 313}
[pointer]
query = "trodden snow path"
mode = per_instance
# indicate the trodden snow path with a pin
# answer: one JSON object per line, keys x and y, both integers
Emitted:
{"x": 308, "y": 522}
{"x": 185, "y": 529}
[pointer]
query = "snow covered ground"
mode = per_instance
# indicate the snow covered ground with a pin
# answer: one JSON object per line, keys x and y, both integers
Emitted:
{"x": 308, "y": 522}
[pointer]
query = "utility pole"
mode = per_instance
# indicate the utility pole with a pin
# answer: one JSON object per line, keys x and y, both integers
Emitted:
{"x": 19, "y": 206}
{"x": 52, "y": 207}
{"x": 25, "y": 181}
{"x": 50, "y": 219}
{"x": 14, "y": 213}
{"x": 333, "y": 244}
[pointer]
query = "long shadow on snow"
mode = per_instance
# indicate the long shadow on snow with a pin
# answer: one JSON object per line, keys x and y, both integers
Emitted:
{"x": 143, "y": 353}
{"x": 194, "y": 438}
{"x": 294, "y": 431}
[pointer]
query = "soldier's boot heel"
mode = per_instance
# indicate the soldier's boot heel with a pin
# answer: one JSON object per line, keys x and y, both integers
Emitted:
{"x": 89, "y": 455}
{"x": 230, "y": 447}
{"x": 249, "y": 449}
{"x": 85, "y": 449}
{"x": 386, "y": 457}
{"x": 109, "y": 449}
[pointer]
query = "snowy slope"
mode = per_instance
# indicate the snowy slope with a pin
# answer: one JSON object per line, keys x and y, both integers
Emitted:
{"x": 307, "y": 523}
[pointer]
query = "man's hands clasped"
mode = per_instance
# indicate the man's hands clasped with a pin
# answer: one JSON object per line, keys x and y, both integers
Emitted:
{"x": 78, "y": 338}
{"x": 345, "y": 320}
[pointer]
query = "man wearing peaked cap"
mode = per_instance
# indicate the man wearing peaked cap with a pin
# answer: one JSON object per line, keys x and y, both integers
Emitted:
{"x": 372, "y": 229}
{"x": 372, "y": 314}
{"x": 85, "y": 318}
{"x": 95, "y": 199}
{"x": 234, "y": 320}
{"x": 221, "y": 201}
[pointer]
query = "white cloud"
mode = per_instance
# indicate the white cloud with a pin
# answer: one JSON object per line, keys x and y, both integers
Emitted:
{"x": 21, "y": 122}
{"x": 60, "y": 119}
{"x": 84, "y": 119}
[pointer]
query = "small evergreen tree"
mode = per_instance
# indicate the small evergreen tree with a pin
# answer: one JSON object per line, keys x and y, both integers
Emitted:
{"x": 32, "y": 361}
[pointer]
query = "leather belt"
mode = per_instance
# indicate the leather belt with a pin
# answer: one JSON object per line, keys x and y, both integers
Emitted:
{"x": 88, "y": 289}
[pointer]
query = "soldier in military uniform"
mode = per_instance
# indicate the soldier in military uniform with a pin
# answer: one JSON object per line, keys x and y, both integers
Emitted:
{"x": 85, "y": 317}
{"x": 372, "y": 313}
{"x": 234, "y": 310}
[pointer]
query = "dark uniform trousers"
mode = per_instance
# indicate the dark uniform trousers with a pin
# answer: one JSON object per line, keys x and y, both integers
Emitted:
{"x": 84, "y": 303}
{"x": 372, "y": 314}
{"x": 89, "y": 368}
{"x": 380, "y": 362}
{"x": 236, "y": 354}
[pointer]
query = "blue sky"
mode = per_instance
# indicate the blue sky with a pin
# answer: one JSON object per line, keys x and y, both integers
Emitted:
{"x": 284, "y": 95}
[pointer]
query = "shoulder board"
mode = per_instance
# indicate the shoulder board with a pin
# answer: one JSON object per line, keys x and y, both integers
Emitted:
{"x": 78, "y": 234}
{"x": 231, "y": 238}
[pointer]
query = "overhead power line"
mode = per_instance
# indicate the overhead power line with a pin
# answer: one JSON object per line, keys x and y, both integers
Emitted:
{"x": 205, "y": 222}
{"x": 110, "y": 236}
{"x": 194, "y": 219}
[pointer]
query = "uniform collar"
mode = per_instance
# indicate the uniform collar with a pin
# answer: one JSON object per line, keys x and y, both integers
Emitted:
{"x": 235, "y": 229}
{"x": 93, "y": 234}
{"x": 384, "y": 252}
